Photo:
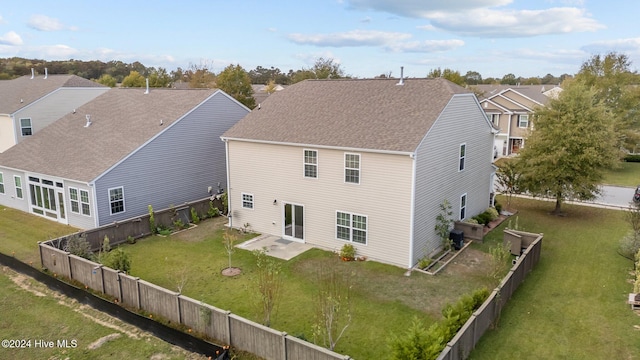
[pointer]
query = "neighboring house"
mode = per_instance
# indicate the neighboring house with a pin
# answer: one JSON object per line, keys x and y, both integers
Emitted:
{"x": 119, "y": 153}
{"x": 28, "y": 104}
{"x": 510, "y": 108}
{"x": 260, "y": 92}
{"x": 362, "y": 162}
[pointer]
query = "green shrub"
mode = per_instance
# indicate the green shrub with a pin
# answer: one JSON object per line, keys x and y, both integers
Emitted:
{"x": 473, "y": 220}
{"x": 131, "y": 240}
{"x": 152, "y": 221}
{"x": 493, "y": 213}
{"x": 78, "y": 245}
{"x": 348, "y": 252}
{"x": 118, "y": 259}
{"x": 483, "y": 218}
{"x": 424, "y": 262}
{"x": 213, "y": 211}
{"x": 498, "y": 207}
{"x": 194, "y": 216}
{"x": 632, "y": 158}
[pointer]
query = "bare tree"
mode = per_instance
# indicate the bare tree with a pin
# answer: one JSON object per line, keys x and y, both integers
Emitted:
{"x": 269, "y": 283}
{"x": 333, "y": 306}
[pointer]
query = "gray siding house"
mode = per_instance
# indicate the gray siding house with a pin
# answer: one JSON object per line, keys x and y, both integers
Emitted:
{"x": 121, "y": 152}
{"x": 28, "y": 104}
{"x": 361, "y": 162}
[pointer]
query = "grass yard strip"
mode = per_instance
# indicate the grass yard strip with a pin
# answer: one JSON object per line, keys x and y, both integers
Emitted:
{"x": 627, "y": 175}
{"x": 21, "y": 231}
{"x": 31, "y": 311}
{"x": 573, "y": 304}
{"x": 384, "y": 300}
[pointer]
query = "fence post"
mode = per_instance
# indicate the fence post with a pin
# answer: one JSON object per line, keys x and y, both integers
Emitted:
{"x": 40, "y": 251}
{"x": 69, "y": 264}
{"x": 228, "y": 313}
{"x": 119, "y": 286}
{"x": 138, "y": 292}
{"x": 178, "y": 305}
{"x": 104, "y": 291}
{"x": 284, "y": 345}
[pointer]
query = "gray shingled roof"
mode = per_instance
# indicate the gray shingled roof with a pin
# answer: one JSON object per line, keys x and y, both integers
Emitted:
{"x": 29, "y": 90}
{"x": 534, "y": 92}
{"x": 121, "y": 121}
{"x": 371, "y": 114}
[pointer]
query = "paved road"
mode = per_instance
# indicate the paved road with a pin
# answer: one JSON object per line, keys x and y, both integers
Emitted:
{"x": 615, "y": 196}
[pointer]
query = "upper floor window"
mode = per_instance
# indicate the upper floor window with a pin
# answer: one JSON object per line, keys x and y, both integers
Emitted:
{"x": 495, "y": 119}
{"x": 116, "y": 200}
{"x": 352, "y": 168}
{"x": 463, "y": 154}
{"x": 247, "y": 201}
{"x": 25, "y": 127}
{"x": 311, "y": 163}
{"x": 523, "y": 121}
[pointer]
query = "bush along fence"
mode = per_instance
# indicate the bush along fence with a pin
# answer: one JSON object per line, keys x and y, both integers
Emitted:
{"x": 169, "y": 307}
{"x": 482, "y": 319}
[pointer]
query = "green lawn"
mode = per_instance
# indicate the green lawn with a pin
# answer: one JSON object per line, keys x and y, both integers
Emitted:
{"x": 627, "y": 175}
{"x": 28, "y": 314}
{"x": 573, "y": 304}
{"x": 20, "y": 233}
{"x": 384, "y": 299}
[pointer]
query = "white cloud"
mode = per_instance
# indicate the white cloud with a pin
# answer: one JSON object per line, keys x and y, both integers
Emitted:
{"x": 428, "y": 46}
{"x": 350, "y": 38}
{"x": 515, "y": 23}
{"x": 45, "y": 23}
{"x": 619, "y": 45}
{"x": 57, "y": 51}
{"x": 1, "y": 20}
{"x": 11, "y": 38}
{"x": 421, "y": 8}
{"x": 310, "y": 58}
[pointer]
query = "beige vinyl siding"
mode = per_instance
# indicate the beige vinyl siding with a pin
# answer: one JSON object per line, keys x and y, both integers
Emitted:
{"x": 520, "y": 99}
{"x": 276, "y": 172}
{"x": 7, "y": 133}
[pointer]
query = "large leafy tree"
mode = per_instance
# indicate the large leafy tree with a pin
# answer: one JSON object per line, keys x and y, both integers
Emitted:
{"x": 134, "y": 79}
{"x": 616, "y": 88}
{"x": 451, "y": 75}
{"x": 235, "y": 81}
{"x": 322, "y": 69}
{"x": 572, "y": 144}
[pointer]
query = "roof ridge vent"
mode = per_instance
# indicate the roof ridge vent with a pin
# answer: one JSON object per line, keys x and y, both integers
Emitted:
{"x": 401, "y": 82}
{"x": 88, "y": 117}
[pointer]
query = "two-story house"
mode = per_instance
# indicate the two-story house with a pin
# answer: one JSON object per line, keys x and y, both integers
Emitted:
{"x": 510, "y": 109}
{"x": 361, "y": 162}
{"x": 119, "y": 153}
{"x": 30, "y": 103}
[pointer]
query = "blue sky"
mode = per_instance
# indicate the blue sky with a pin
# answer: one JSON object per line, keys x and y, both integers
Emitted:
{"x": 366, "y": 37}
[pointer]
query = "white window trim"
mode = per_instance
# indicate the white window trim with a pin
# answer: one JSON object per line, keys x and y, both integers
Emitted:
{"x": 24, "y": 127}
{"x": 304, "y": 164}
{"x": 71, "y": 201}
{"x": 2, "y": 183}
{"x": 124, "y": 205}
{"x": 462, "y": 158}
{"x": 497, "y": 116}
{"x": 344, "y": 173}
{"x": 88, "y": 203}
{"x": 253, "y": 201}
{"x": 21, "y": 187}
{"x": 335, "y": 228}
{"x": 466, "y": 201}
{"x": 520, "y": 121}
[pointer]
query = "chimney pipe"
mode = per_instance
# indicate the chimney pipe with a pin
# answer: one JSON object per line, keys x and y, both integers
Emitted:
{"x": 88, "y": 117}
{"x": 401, "y": 82}
{"x": 33, "y": 73}
{"x": 147, "y": 91}
{"x": 46, "y": 73}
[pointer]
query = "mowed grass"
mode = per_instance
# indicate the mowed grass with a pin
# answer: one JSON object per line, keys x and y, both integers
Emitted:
{"x": 573, "y": 304}
{"x": 384, "y": 300}
{"x": 20, "y": 233}
{"x": 627, "y": 175}
{"x": 32, "y": 312}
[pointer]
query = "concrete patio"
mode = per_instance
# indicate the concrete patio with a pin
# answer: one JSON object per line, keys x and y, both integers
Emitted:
{"x": 275, "y": 246}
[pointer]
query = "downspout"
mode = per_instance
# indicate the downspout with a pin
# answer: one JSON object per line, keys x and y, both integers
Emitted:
{"x": 95, "y": 204}
{"x": 229, "y": 212}
{"x": 509, "y": 134}
{"x": 413, "y": 210}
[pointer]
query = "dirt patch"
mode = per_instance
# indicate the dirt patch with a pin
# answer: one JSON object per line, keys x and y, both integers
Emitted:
{"x": 469, "y": 262}
{"x": 96, "y": 344}
{"x": 231, "y": 271}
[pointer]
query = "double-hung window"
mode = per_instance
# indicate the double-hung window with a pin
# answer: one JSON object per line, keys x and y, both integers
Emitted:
{"x": 462, "y": 157}
{"x": 352, "y": 168}
{"x": 116, "y": 200}
{"x": 523, "y": 121}
{"x": 311, "y": 163}
{"x": 17, "y": 181}
{"x": 84, "y": 202}
{"x": 1, "y": 184}
{"x": 247, "y": 201}
{"x": 79, "y": 200}
{"x": 463, "y": 206}
{"x": 351, "y": 227}
{"x": 25, "y": 127}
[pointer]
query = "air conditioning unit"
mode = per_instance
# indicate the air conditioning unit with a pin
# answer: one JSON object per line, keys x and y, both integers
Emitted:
{"x": 457, "y": 237}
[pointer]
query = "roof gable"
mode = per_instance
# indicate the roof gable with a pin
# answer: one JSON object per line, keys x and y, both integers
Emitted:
{"x": 376, "y": 114}
{"x": 121, "y": 121}
{"x": 20, "y": 92}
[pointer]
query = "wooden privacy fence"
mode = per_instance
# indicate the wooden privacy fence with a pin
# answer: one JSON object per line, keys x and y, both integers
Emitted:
{"x": 138, "y": 227}
{"x": 214, "y": 323}
{"x": 481, "y": 320}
